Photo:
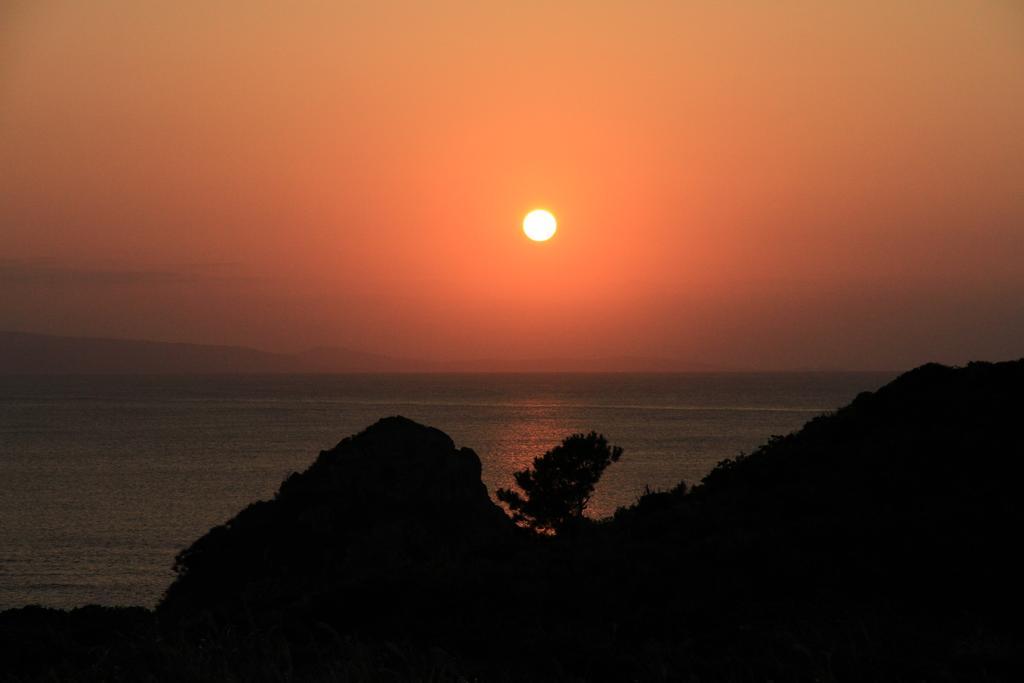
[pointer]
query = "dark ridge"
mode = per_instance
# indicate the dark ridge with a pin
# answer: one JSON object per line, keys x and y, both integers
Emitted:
{"x": 877, "y": 543}
{"x": 879, "y": 540}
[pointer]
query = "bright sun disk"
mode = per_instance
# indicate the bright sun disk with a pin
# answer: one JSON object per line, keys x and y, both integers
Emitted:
{"x": 540, "y": 225}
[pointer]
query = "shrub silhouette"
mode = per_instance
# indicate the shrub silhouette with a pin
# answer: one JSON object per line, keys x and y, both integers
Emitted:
{"x": 559, "y": 485}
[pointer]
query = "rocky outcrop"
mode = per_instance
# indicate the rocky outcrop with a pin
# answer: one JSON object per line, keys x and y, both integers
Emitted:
{"x": 396, "y": 507}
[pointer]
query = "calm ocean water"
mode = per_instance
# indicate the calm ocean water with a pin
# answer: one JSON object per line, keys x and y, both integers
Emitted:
{"x": 104, "y": 479}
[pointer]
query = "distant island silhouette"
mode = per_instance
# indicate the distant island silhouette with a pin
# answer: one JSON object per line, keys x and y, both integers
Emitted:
{"x": 26, "y": 353}
{"x": 879, "y": 542}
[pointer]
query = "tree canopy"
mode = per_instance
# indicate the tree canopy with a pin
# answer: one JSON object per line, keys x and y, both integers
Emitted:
{"x": 559, "y": 485}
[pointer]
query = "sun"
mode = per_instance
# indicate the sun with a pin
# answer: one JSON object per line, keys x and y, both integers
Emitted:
{"x": 540, "y": 225}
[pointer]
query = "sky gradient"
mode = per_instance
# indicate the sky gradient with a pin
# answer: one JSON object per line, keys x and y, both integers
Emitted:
{"x": 755, "y": 185}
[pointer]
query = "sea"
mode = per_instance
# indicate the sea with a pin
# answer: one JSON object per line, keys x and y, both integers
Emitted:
{"x": 104, "y": 479}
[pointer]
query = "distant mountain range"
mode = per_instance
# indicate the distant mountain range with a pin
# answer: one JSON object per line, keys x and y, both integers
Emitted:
{"x": 31, "y": 353}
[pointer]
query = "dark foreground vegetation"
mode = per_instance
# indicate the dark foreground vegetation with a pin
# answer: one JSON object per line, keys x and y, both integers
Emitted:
{"x": 878, "y": 543}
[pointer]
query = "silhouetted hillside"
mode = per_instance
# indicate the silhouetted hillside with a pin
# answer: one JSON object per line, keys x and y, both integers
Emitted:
{"x": 878, "y": 538}
{"x": 877, "y": 543}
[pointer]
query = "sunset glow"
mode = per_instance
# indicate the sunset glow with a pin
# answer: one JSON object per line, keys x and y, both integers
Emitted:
{"x": 754, "y": 185}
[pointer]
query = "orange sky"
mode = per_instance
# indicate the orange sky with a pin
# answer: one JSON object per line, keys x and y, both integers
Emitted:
{"x": 756, "y": 185}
